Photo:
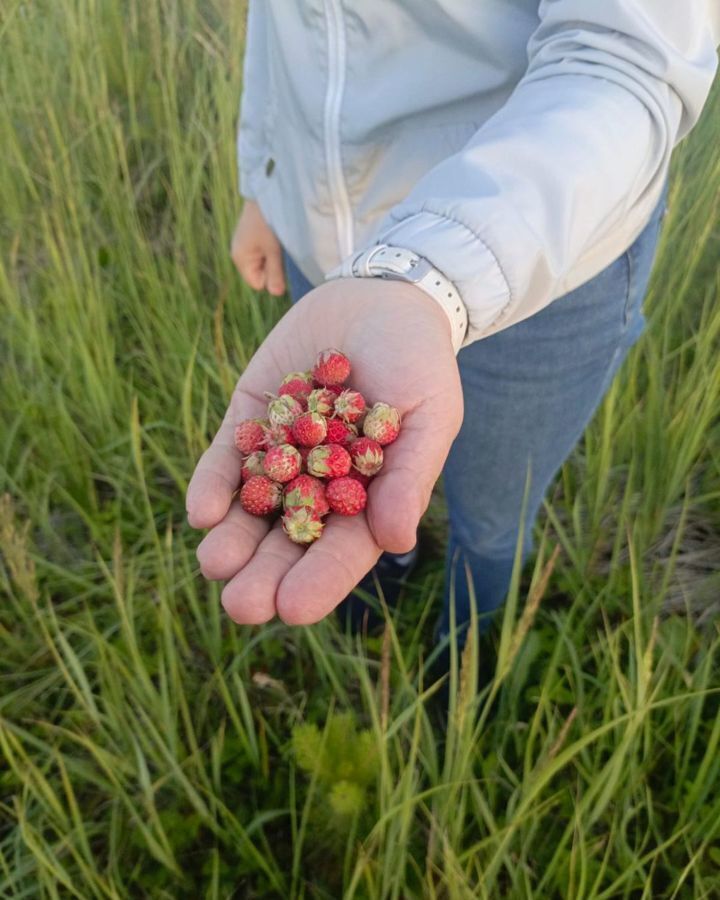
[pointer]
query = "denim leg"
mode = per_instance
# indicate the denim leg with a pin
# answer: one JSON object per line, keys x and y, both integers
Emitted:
{"x": 529, "y": 393}
{"x": 298, "y": 285}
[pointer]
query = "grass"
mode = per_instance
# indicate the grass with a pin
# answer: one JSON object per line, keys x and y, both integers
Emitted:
{"x": 149, "y": 748}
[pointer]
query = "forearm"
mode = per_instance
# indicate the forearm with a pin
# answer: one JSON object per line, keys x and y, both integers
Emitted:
{"x": 571, "y": 166}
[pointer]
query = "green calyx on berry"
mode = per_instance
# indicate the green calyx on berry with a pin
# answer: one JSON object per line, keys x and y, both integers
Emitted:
{"x": 302, "y": 525}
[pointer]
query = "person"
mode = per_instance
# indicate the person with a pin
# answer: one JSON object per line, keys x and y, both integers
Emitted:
{"x": 465, "y": 199}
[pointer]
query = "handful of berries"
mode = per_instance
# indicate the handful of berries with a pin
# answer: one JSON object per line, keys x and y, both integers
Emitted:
{"x": 308, "y": 458}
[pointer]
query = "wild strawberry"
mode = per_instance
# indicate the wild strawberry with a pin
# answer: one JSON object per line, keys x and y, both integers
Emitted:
{"x": 322, "y": 401}
{"x": 382, "y": 424}
{"x": 297, "y": 385}
{"x": 328, "y": 461}
{"x": 278, "y": 434}
{"x": 358, "y": 476}
{"x": 306, "y": 491}
{"x": 250, "y": 435}
{"x": 331, "y": 367}
{"x": 301, "y": 525}
{"x": 346, "y": 496}
{"x": 252, "y": 465}
{"x": 350, "y": 405}
{"x": 339, "y": 432}
{"x": 284, "y": 410}
{"x": 367, "y": 456}
{"x": 282, "y": 463}
{"x": 260, "y": 495}
{"x": 309, "y": 429}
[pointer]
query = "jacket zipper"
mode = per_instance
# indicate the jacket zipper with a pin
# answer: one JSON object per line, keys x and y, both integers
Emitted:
{"x": 333, "y": 101}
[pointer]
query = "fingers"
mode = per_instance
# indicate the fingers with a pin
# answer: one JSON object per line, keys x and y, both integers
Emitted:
{"x": 217, "y": 474}
{"x": 400, "y": 494}
{"x": 251, "y": 267}
{"x": 249, "y": 599}
{"x": 231, "y": 544}
{"x": 262, "y": 268}
{"x": 257, "y": 253}
{"x": 274, "y": 273}
{"x": 328, "y": 571}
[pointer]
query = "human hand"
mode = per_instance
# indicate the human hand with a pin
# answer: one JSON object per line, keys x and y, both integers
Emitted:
{"x": 398, "y": 341}
{"x": 256, "y": 251}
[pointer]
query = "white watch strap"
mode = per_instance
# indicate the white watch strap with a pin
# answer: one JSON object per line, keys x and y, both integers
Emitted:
{"x": 398, "y": 263}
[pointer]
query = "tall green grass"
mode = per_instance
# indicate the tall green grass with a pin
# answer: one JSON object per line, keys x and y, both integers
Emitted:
{"x": 148, "y": 747}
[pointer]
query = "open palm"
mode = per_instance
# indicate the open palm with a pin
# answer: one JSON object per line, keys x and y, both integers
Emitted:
{"x": 398, "y": 342}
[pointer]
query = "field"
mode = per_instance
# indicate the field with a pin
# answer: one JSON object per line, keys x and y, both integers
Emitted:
{"x": 149, "y": 747}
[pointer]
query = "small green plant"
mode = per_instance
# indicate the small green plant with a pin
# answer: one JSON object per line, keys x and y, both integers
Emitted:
{"x": 343, "y": 762}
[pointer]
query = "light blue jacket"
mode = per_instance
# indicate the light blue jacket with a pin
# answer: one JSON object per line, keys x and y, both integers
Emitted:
{"x": 519, "y": 146}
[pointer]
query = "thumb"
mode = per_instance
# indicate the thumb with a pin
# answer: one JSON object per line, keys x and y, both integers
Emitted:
{"x": 253, "y": 269}
{"x": 400, "y": 494}
{"x": 274, "y": 274}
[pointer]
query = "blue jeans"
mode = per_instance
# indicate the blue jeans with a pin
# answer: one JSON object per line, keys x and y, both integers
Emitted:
{"x": 529, "y": 393}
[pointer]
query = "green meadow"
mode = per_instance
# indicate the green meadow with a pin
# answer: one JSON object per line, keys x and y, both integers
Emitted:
{"x": 150, "y": 748}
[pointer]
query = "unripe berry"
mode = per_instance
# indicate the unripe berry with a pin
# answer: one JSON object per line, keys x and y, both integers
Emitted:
{"x": 284, "y": 410}
{"x": 382, "y": 424}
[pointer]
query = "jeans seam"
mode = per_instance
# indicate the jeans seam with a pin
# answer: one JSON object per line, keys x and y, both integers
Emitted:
{"x": 628, "y": 291}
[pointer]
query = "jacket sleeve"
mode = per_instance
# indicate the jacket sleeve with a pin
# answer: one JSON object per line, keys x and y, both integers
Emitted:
{"x": 254, "y": 100}
{"x": 579, "y": 152}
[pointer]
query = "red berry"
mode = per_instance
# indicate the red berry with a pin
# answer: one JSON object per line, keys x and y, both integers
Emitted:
{"x": 306, "y": 491}
{"x": 284, "y": 410}
{"x": 321, "y": 400}
{"x": 301, "y": 525}
{"x": 252, "y": 465}
{"x": 260, "y": 496}
{"x": 350, "y": 405}
{"x": 339, "y": 432}
{"x": 282, "y": 463}
{"x": 250, "y": 435}
{"x": 382, "y": 424}
{"x": 309, "y": 429}
{"x": 328, "y": 461}
{"x": 367, "y": 456}
{"x": 346, "y": 496}
{"x": 297, "y": 385}
{"x": 331, "y": 367}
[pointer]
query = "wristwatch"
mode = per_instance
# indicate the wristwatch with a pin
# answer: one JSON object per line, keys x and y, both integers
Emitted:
{"x": 400, "y": 264}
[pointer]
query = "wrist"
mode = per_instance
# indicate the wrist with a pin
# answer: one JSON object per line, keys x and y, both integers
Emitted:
{"x": 379, "y": 307}
{"x": 402, "y": 265}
